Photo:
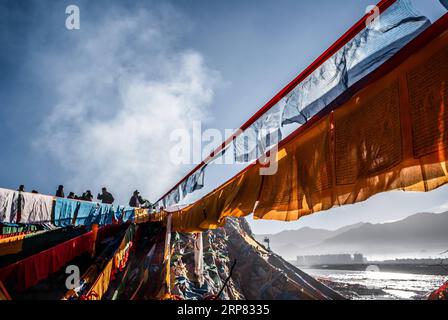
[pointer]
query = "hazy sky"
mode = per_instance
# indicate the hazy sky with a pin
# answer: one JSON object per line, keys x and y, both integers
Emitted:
{"x": 96, "y": 106}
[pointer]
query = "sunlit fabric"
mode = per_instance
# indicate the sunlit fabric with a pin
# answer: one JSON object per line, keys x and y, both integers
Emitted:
{"x": 86, "y": 213}
{"x": 8, "y": 205}
{"x": 235, "y": 198}
{"x": 101, "y": 284}
{"x": 369, "y": 49}
{"x": 64, "y": 211}
{"x": 259, "y": 137}
{"x": 35, "y": 208}
{"x": 391, "y": 135}
{"x": 304, "y": 171}
{"x": 157, "y": 216}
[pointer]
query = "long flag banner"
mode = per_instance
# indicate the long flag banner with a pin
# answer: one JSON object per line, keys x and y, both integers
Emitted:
{"x": 389, "y": 132}
{"x": 370, "y": 43}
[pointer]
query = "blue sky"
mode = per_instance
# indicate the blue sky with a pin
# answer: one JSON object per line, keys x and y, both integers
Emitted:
{"x": 95, "y": 106}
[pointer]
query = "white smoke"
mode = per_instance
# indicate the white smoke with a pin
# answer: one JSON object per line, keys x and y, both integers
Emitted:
{"x": 123, "y": 87}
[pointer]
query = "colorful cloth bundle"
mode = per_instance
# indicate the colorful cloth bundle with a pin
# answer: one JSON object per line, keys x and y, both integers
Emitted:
{"x": 11, "y": 245}
{"x": 30, "y": 208}
{"x": 24, "y": 207}
{"x": 124, "y": 214}
{"x": 391, "y": 135}
{"x": 11, "y": 229}
{"x": 110, "y": 245}
{"x": 68, "y": 211}
{"x": 141, "y": 277}
{"x": 95, "y": 280}
{"x": 141, "y": 215}
{"x": 35, "y": 242}
{"x": 101, "y": 284}
{"x": 29, "y": 271}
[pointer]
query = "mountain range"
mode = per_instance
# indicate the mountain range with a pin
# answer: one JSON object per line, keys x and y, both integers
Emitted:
{"x": 419, "y": 235}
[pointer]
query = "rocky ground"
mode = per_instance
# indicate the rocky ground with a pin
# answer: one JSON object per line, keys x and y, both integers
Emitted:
{"x": 257, "y": 274}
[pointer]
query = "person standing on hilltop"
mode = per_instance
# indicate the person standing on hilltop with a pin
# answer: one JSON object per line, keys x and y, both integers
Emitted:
{"x": 136, "y": 200}
{"x": 105, "y": 196}
{"x": 87, "y": 196}
{"x": 60, "y": 192}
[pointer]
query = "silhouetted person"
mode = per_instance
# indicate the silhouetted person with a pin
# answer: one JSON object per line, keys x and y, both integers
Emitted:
{"x": 21, "y": 188}
{"x": 87, "y": 196}
{"x": 35, "y": 191}
{"x": 136, "y": 200}
{"x": 71, "y": 195}
{"x": 60, "y": 192}
{"x": 105, "y": 196}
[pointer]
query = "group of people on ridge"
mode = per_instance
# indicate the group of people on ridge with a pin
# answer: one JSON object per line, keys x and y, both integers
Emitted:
{"x": 105, "y": 196}
{"x": 136, "y": 200}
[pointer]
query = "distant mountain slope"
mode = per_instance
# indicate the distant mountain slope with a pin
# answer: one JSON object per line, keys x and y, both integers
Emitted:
{"x": 289, "y": 243}
{"x": 347, "y": 228}
{"x": 422, "y": 232}
{"x": 419, "y": 234}
{"x": 300, "y": 238}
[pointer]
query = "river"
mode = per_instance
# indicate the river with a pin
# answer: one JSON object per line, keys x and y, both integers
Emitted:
{"x": 377, "y": 284}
